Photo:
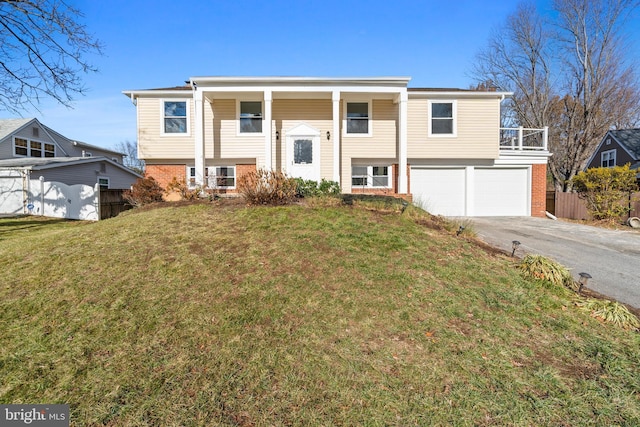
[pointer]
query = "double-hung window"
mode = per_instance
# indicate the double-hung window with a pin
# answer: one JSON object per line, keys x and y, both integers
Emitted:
{"x": 370, "y": 176}
{"x": 608, "y": 159}
{"x": 175, "y": 117}
{"x": 222, "y": 177}
{"x": 358, "y": 118}
{"x": 103, "y": 182}
{"x": 250, "y": 116}
{"x": 442, "y": 118}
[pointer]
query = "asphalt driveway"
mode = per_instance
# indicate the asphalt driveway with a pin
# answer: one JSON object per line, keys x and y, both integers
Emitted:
{"x": 611, "y": 257}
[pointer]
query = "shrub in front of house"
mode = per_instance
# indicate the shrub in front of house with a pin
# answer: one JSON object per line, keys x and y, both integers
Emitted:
{"x": 311, "y": 188}
{"x": 264, "y": 187}
{"x": 606, "y": 190}
{"x": 180, "y": 187}
{"x": 145, "y": 190}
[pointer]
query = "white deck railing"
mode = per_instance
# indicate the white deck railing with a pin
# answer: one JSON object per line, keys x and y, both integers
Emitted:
{"x": 524, "y": 139}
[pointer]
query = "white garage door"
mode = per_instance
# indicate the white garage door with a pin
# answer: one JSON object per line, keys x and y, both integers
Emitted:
{"x": 491, "y": 191}
{"x": 439, "y": 191}
{"x": 501, "y": 192}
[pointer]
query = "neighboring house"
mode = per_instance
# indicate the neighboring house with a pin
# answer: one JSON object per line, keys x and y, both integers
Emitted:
{"x": 37, "y": 150}
{"x": 443, "y": 148}
{"x": 617, "y": 148}
{"x": 105, "y": 172}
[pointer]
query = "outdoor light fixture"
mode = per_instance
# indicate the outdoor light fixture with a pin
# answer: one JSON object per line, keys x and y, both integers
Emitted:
{"x": 277, "y": 135}
{"x": 460, "y": 230}
{"x": 328, "y": 135}
{"x": 514, "y": 246}
{"x": 584, "y": 278}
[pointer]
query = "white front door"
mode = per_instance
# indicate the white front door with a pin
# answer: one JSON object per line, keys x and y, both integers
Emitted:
{"x": 303, "y": 153}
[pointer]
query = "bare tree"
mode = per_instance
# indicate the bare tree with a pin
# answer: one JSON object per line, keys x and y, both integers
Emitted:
{"x": 43, "y": 50}
{"x": 131, "y": 160}
{"x": 568, "y": 73}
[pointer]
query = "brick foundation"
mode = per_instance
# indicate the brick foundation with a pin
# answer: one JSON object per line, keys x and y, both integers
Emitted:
{"x": 164, "y": 174}
{"x": 538, "y": 190}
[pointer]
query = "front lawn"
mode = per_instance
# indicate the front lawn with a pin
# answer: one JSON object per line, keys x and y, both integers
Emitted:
{"x": 209, "y": 315}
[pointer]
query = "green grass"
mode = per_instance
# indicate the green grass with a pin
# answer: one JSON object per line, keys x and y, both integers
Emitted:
{"x": 210, "y": 315}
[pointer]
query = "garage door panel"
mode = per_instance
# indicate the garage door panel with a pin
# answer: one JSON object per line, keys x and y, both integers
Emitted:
{"x": 439, "y": 191}
{"x": 501, "y": 192}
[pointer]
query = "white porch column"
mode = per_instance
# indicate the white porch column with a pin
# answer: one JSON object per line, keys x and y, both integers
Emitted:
{"x": 335, "y": 97}
{"x": 402, "y": 144}
{"x": 198, "y": 133}
{"x": 268, "y": 163}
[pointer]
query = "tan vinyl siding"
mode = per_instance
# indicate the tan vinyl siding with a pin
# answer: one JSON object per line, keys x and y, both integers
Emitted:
{"x": 383, "y": 140}
{"x": 227, "y": 143}
{"x": 152, "y": 143}
{"x": 379, "y": 148}
{"x": 478, "y": 122}
{"x": 316, "y": 113}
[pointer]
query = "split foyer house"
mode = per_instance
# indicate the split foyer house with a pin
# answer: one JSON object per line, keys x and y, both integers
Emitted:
{"x": 442, "y": 148}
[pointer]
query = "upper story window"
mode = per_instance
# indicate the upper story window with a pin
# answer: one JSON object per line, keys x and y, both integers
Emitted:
{"x": 442, "y": 118}
{"x": 250, "y": 117}
{"x": 608, "y": 159}
{"x": 30, "y": 148}
{"x": 175, "y": 117}
{"x": 358, "y": 116}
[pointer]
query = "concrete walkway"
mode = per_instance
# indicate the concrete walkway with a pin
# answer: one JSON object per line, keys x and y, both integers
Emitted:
{"x": 611, "y": 257}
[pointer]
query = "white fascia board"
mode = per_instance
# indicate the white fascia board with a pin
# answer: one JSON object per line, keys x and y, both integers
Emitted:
{"x": 527, "y": 159}
{"x": 308, "y": 89}
{"x": 159, "y": 93}
{"x": 299, "y": 81}
{"x": 461, "y": 94}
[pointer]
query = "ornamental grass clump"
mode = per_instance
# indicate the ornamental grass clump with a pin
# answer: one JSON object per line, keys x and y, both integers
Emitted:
{"x": 611, "y": 312}
{"x": 542, "y": 268}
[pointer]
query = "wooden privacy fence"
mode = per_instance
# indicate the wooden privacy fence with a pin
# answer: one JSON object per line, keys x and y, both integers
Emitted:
{"x": 112, "y": 203}
{"x": 569, "y": 205}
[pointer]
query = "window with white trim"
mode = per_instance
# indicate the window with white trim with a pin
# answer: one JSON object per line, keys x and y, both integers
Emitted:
{"x": 174, "y": 117}
{"x": 250, "y": 117}
{"x": 30, "y": 148}
{"x": 370, "y": 176}
{"x": 358, "y": 117}
{"x": 221, "y": 177}
{"x": 608, "y": 159}
{"x": 442, "y": 118}
{"x": 191, "y": 176}
{"x": 103, "y": 182}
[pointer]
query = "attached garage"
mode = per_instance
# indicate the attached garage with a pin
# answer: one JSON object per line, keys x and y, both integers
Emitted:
{"x": 501, "y": 192}
{"x": 472, "y": 190}
{"x": 441, "y": 191}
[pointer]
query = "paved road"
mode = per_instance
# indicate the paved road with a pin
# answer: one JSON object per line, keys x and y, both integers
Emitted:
{"x": 612, "y": 257}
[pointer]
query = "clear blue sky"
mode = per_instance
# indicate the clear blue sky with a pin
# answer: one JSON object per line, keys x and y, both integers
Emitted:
{"x": 152, "y": 44}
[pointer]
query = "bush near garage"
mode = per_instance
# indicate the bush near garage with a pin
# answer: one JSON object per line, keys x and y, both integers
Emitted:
{"x": 605, "y": 190}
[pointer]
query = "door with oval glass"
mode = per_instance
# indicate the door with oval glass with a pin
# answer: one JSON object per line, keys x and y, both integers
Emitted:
{"x": 303, "y": 156}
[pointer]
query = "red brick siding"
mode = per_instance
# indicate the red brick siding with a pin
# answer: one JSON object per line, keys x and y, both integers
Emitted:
{"x": 241, "y": 170}
{"x": 538, "y": 190}
{"x": 164, "y": 174}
